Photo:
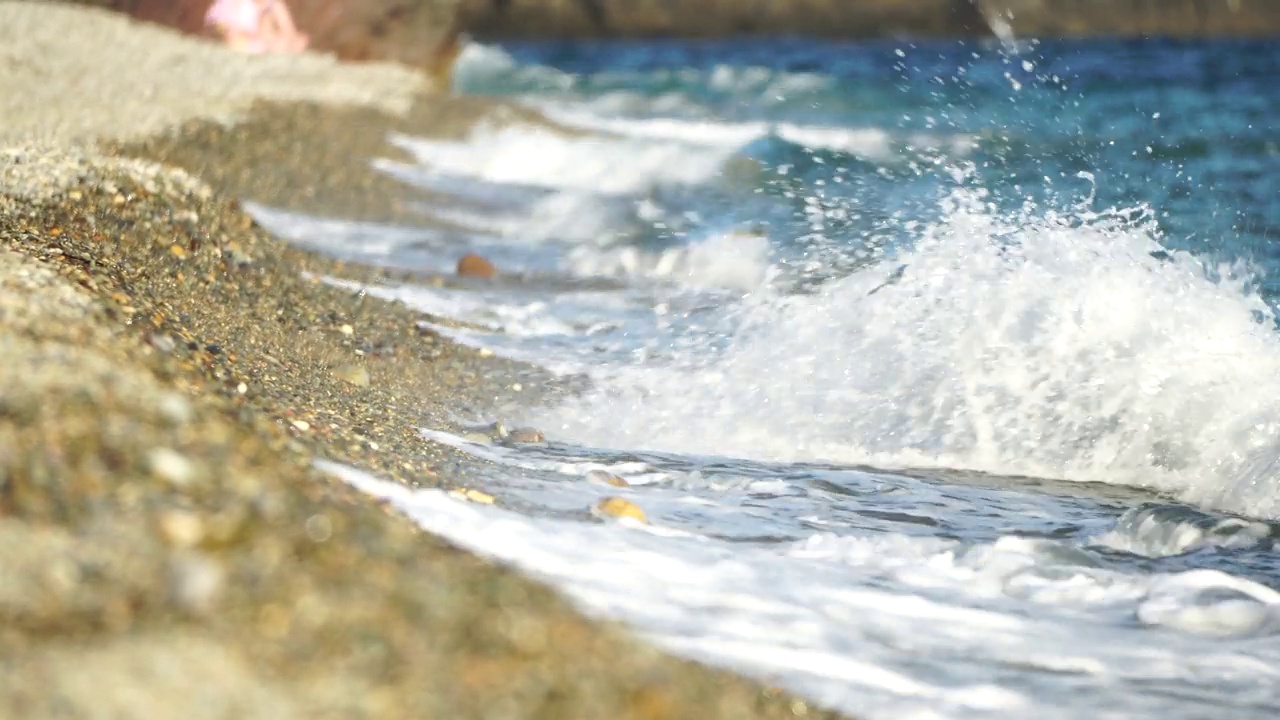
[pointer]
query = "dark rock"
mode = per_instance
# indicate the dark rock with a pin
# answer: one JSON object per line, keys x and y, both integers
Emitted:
{"x": 427, "y": 33}
{"x": 1127, "y": 18}
{"x": 719, "y": 18}
{"x": 866, "y": 18}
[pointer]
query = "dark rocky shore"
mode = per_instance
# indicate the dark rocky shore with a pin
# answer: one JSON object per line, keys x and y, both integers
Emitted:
{"x": 869, "y": 18}
{"x": 169, "y": 374}
{"x": 423, "y": 33}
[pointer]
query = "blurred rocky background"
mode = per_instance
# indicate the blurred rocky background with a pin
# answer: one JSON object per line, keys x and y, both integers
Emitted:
{"x": 423, "y": 33}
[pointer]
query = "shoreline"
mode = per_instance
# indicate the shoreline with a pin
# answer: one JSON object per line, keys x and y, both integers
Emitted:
{"x": 170, "y": 377}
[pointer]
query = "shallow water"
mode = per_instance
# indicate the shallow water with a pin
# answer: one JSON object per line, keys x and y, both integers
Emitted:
{"x": 947, "y": 374}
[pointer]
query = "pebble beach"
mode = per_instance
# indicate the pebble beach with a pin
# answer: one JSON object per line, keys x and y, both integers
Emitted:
{"x": 170, "y": 373}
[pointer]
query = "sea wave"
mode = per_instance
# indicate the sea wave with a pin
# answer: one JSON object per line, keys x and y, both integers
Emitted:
{"x": 1060, "y": 345}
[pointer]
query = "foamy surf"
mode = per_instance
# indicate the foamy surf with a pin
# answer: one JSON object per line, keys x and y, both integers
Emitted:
{"x": 945, "y": 377}
{"x": 891, "y": 646}
{"x": 545, "y": 158}
{"x": 1042, "y": 346}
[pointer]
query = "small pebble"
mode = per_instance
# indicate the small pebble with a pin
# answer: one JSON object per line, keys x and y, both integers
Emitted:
{"x": 485, "y": 353}
{"x": 604, "y": 477}
{"x": 355, "y": 374}
{"x": 526, "y": 435}
{"x": 347, "y": 330}
{"x": 171, "y": 466}
{"x": 620, "y": 508}
{"x": 474, "y": 496}
{"x": 181, "y": 529}
{"x": 472, "y": 265}
{"x": 242, "y": 388}
{"x": 176, "y": 409}
{"x": 163, "y": 343}
{"x": 301, "y": 425}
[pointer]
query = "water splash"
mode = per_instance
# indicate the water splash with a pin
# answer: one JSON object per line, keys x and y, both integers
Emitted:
{"x": 1067, "y": 345}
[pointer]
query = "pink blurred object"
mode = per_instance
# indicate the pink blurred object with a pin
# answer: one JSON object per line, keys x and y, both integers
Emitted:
{"x": 256, "y": 26}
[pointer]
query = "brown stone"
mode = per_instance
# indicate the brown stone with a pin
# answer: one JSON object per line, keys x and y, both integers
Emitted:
{"x": 419, "y": 33}
{"x": 472, "y": 265}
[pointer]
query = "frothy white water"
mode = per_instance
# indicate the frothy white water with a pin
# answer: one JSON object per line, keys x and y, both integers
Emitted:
{"x": 930, "y": 628}
{"x": 585, "y": 163}
{"x": 869, "y": 143}
{"x": 701, "y": 132}
{"x": 1166, "y": 530}
{"x": 1066, "y": 345}
{"x": 482, "y": 68}
{"x": 366, "y": 241}
{"x": 733, "y": 260}
{"x": 480, "y": 64}
{"x": 1054, "y": 345}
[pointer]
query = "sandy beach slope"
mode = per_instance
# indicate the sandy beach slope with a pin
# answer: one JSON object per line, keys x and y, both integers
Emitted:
{"x": 168, "y": 374}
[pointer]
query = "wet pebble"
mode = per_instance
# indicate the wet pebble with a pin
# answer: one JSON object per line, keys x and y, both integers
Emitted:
{"x": 619, "y": 508}
{"x": 526, "y": 435}
{"x": 604, "y": 477}
{"x": 493, "y": 432}
{"x": 470, "y": 495}
{"x": 472, "y": 265}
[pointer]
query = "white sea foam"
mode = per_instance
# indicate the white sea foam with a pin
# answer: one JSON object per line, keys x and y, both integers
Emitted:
{"x": 867, "y": 143}
{"x": 1067, "y": 345}
{"x": 888, "y": 626}
{"x": 772, "y": 86}
{"x": 700, "y": 132}
{"x": 1055, "y": 345}
{"x": 545, "y": 158}
{"x": 366, "y": 241}
{"x": 870, "y": 143}
{"x": 485, "y": 66}
{"x": 1165, "y": 530}
{"x": 733, "y": 260}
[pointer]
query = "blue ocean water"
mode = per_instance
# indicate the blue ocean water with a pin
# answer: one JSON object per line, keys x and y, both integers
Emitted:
{"x": 947, "y": 374}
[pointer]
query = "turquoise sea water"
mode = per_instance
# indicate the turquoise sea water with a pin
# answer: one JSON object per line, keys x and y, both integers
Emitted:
{"x": 947, "y": 374}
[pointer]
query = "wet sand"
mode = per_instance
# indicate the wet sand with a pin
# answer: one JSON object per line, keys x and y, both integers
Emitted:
{"x": 168, "y": 375}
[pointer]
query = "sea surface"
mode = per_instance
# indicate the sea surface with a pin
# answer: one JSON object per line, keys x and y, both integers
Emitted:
{"x": 947, "y": 374}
